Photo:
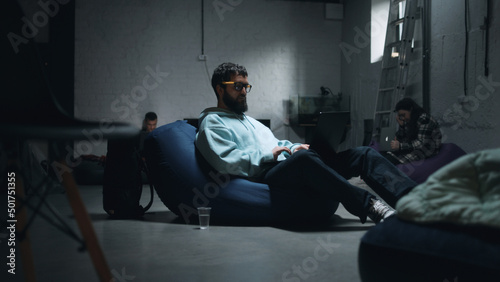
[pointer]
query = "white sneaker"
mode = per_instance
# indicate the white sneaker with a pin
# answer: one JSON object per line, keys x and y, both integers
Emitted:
{"x": 379, "y": 211}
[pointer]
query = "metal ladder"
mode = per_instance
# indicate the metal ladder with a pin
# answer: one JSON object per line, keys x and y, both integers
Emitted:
{"x": 399, "y": 42}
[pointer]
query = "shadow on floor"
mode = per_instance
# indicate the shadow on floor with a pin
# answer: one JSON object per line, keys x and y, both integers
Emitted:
{"x": 335, "y": 223}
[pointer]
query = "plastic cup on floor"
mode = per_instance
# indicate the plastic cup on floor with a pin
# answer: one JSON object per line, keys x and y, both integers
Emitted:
{"x": 204, "y": 216}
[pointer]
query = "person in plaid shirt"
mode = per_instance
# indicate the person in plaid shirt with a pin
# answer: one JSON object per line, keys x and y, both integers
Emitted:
{"x": 418, "y": 136}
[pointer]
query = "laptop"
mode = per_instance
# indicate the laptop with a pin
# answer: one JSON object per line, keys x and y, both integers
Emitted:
{"x": 330, "y": 132}
{"x": 387, "y": 134}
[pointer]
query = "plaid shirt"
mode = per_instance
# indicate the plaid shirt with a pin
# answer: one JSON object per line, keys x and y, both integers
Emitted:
{"x": 426, "y": 144}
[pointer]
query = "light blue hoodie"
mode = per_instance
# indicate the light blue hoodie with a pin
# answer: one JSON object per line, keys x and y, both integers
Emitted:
{"x": 237, "y": 144}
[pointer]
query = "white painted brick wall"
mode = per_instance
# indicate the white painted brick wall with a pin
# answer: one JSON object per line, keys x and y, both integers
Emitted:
{"x": 472, "y": 120}
{"x": 287, "y": 47}
{"x": 469, "y": 118}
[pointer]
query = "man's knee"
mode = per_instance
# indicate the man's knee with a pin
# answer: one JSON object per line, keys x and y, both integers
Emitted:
{"x": 305, "y": 155}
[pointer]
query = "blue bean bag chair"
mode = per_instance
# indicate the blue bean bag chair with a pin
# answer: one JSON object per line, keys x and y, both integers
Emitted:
{"x": 184, "y": 181}
{"x": 446, "y": 229}
{"x": 398, "y": 250}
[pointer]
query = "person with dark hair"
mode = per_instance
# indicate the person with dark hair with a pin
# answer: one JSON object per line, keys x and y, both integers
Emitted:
{"x": 236, "y": 144}
{"x": 149, "y": 122}
{"x": 419, "y": 135}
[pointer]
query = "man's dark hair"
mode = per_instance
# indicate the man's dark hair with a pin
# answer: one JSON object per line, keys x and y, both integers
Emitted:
{"x": 150, "y": 116}
{"x": 224, "y": 72}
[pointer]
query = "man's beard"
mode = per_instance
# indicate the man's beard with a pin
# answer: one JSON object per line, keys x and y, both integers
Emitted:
{"x": 234, "y": 105}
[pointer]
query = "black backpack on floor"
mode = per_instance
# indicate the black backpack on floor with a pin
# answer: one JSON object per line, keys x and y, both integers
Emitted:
{"x": 122, "y": 185}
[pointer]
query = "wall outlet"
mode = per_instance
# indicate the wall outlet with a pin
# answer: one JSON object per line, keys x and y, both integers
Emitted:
{"x": 202, "y": 57}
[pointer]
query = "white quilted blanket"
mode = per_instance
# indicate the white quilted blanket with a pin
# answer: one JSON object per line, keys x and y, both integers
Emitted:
{"x": 465, "y": 192}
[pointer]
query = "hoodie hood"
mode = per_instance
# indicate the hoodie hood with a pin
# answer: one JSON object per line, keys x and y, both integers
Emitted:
{"x": 218, "y": 111}
{"x": 224, "y": 114}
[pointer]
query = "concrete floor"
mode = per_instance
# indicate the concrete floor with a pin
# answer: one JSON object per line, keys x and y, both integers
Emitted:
{"x": 161, "y": 248}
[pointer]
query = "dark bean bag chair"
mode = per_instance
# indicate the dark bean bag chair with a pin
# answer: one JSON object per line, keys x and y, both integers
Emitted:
{"x": 398, "y": 250}
{"x": 419, "y": 171}
{"x": 183, "y": 180}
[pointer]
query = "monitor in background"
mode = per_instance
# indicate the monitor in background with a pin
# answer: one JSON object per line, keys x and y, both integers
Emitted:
{"x": 330, "y": 132}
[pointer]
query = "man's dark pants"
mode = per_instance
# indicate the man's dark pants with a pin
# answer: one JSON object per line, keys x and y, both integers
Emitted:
{"x": 327, "y": 176}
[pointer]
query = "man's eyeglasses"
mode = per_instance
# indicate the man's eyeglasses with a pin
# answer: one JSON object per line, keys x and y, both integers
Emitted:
{"x": 238, "y": 86}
